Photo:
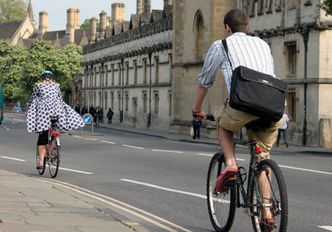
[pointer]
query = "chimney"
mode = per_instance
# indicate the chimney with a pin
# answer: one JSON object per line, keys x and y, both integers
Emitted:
{"x": 93, "y": 28}
{"x": 43, "y": 22}
{"x": 147, "y": 9}
{"x": 118, "y": 10}
{"x": 139, "y": 7}
{"x": 103, "y": 24}
{"x": 168, "y": 2}
{"x": 77, "y": 19}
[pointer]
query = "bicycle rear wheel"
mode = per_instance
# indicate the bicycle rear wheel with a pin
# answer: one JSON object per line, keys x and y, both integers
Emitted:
{"x": 272, "y": 194}
{"x": 42, "y": 170}
{"x": 221, "y": 206}
{"x": 54, "y": 158}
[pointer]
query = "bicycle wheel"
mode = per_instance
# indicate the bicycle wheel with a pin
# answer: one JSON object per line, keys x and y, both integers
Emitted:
{"x": 221, "y": 206}
{"x": 269, "y": 192}
{"x": 54, "y": 158}
{"x": 40, "y": 171}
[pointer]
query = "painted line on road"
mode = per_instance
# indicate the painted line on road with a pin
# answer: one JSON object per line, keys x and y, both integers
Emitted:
{"x": 78, "y": 137}
{"x": 77, "y": 171}
{"x": 164, "y": 188}
{"x": 109, "y": 142}
{"x": 305, "y": 169}
{"x": 329, "y": 228}
{"x": 6, "y": 128}
{"x": 125, "y": 145}
{"x": 168, "y": 151}
{"x": 91, "y": 139}
{"x": 12, "y": 158}
{"x": 151, "y": 218}
{"x": 209, "y": 155}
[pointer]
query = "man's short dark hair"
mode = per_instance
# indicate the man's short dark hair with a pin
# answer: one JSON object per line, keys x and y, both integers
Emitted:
{"x": 237, "y": 20}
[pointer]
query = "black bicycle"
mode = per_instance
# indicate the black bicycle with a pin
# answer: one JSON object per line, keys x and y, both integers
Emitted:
{"x": 244, "y": 191}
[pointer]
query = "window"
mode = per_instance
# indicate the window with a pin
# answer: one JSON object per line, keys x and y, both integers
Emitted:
{"x": 119, "y": 74}
{"x": 127, "y": 73}
{"x": 156, "y": 66}
{"x": 145, "y": 71}
{"x": 106, "y": 75}
{"x": 112, "y": 70}
{"x": 291, "y": 55}
{"x": 127, "y": 101}
{"x": 156, "y": 102}
{"x": 119, "y": 101}
{"x": 169, "y": 103}
{"x": 145, "y": 102}
{"x": 135, "y": 72}
{"x": 291, "y": 104}
{"x": 112, "y": 100}
{"x": 199, "y": 28}
{"x": 105, "y": 101}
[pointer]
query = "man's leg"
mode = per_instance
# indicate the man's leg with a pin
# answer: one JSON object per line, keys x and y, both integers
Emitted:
{"x": 41, "y": 154}
{"x": 227, "y": 145}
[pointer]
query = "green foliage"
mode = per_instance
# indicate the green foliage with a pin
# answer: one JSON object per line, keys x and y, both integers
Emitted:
{"x": 12, "y": 60}
{"x": 20, "y": 69}
{"x": 12, "y": 10}
{"x": 87, "y": 23}
{"x": 327, "y": 6}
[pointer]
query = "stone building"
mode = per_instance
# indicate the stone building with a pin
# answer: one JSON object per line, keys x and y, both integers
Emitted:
{"x": 147, "y": 73}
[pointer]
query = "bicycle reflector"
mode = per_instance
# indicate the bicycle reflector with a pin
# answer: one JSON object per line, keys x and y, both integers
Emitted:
{"x": 56, "y": 134}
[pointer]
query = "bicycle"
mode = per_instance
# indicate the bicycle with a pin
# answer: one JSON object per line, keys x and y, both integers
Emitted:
{"x": 222, "y": 206}
{"x": 52, "y": 157}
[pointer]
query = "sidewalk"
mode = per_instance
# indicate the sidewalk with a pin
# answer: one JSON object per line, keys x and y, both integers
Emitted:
{"x": 213, "y": 141}
{"x": 34, "y": 204}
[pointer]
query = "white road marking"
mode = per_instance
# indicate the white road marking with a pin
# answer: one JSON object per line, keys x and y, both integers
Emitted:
{"x": 210, "y": 155}
{"x": 169, "y": 151}
{"x": 6, "y": 128}
{"x": 109, "y": 142}
{"x": 305, "y": 169}
{"x": 76, "y": 136}
{"x": 90, "y": 139}
{"x": 165, "y": 189}
{"x": 12, "y": 158}
{"x": 77, "y": 171}
{"x": 329, "y": 228}
{"x": 151, "y": 218}
{"x": 125, "y": 145}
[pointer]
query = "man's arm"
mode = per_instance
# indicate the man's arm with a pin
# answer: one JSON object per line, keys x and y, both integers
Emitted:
{"x": 199, "y": 97}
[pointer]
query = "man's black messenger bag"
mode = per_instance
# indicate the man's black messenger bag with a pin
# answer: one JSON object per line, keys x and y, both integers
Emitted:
{"x": 257, "y": 93}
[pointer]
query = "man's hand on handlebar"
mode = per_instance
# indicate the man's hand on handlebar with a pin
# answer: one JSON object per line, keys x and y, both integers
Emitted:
{"x": 199, "y": 114}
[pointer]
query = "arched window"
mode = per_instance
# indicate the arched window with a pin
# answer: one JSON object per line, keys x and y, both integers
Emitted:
{"x": 199, "y": 34}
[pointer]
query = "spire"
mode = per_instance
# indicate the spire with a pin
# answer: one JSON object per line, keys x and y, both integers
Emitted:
{"x": 30, "y": 11}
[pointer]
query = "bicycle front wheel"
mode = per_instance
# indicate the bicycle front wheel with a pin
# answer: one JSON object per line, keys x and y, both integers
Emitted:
{"x": 54, "y": 158}
{"x": 221, "y": 206}
{"x": 269, "y": 198}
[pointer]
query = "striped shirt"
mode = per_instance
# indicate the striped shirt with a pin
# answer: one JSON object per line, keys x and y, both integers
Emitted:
{"x": 248, "y": 51}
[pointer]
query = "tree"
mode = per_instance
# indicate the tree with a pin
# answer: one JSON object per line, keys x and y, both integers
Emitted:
{"x": 87, "y": 23}
{"x": 12, "y": 59}
{"x": 63, "y": 62}
{"x": 12, "y": 10}
{"x": 327, "y": 6}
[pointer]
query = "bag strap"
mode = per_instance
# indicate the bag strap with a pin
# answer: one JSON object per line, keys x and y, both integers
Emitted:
{"x": 224, "y": 43}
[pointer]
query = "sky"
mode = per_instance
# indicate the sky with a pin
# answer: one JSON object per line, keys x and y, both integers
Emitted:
{"x": 57, "y": 9}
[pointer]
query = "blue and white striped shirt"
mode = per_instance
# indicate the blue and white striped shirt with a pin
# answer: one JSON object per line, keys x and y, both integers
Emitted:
{"x": 248, "y": 51}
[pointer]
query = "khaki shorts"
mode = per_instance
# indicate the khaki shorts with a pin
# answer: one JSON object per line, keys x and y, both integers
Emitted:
{"x": 233, "y": 120}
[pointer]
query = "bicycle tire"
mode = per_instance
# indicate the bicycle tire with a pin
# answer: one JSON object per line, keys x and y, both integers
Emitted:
{"x": 54, "y": 158}
{"x": 278, "y": 199}
{"x": 40, "y": 171}
{"x": 219, "y": 204}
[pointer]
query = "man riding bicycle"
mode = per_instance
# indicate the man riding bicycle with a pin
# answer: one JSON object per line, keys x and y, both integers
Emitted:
{"x": 251, "y": 52}
{"x": 46, "y": 103}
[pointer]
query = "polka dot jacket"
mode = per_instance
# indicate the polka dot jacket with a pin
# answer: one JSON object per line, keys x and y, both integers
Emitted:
{"x": 46, "y": 101}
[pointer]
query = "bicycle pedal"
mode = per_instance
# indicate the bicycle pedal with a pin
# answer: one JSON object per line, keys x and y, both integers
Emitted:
{"x": 230, "y": 182}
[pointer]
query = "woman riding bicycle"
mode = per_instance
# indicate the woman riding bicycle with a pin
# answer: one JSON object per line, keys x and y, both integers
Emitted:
{"x": 46, "y": 103}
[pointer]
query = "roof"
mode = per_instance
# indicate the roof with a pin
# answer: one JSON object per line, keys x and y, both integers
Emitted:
{"x": 54, "y": 35}
{"x": 156, "y": 15}
{"x": 7, "y": 30}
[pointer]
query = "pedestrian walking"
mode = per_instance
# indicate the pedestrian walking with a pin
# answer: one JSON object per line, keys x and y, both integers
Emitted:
{"x": 196, "y": 124}
{"x": 282, "y": 130}
{"x": 110, "y": 115}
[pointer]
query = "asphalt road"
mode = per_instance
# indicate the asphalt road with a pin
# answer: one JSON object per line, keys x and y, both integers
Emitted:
{"x": 166, "y": 179}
